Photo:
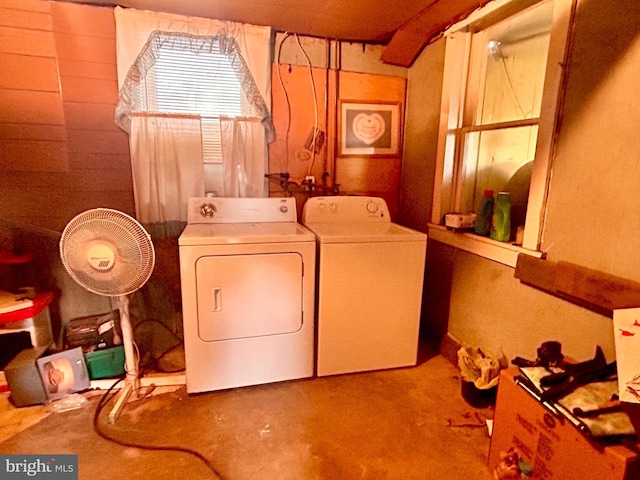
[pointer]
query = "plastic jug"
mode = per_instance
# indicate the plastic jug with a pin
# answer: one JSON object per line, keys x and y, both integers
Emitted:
{"x": 501, "y": 227}
{"x": 485, "y": 214}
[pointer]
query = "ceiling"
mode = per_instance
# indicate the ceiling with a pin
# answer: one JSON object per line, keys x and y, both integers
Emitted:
{"x": 405, "y": 26}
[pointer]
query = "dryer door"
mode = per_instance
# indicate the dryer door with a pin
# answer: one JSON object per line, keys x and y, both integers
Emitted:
{"x": 250, "y": 295}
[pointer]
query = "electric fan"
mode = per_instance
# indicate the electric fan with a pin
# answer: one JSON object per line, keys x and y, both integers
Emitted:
{"x": 109, "y": 253}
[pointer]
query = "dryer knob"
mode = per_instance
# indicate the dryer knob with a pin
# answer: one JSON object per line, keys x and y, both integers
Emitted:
{"x": 284, "y": 209}
{"x": 372, "y": 207}
{"x": 208, "y": 210}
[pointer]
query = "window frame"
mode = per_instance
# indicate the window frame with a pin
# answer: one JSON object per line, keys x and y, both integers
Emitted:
{"x": 448, "y": 165}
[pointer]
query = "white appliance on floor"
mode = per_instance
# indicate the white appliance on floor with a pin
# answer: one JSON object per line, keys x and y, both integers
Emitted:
{"x": 370, "y": 276}
{"x": 247, "y": 272}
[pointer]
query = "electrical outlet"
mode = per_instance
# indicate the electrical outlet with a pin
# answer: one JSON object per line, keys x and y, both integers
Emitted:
{"x": 310, "y": 180}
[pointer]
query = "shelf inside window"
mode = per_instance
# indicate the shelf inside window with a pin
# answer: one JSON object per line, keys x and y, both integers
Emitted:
{"x": 501, "y": 252}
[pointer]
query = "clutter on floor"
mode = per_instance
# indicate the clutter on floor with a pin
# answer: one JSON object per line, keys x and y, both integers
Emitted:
{"x": 407, "y": 423}
{"x": 22, "y": 309}
{"x": 562, "y": 420}
{"x": 32, "y": 318}
{"x": 36, "y": 376}
{"x": 480, "y": 375}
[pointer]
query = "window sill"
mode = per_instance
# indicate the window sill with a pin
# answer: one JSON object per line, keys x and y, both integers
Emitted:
{"x": 500, "y": 252}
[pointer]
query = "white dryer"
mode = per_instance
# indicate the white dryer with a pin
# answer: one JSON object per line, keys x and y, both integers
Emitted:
{"x": 369, "y": 288}
{"x": 247, "y": 273}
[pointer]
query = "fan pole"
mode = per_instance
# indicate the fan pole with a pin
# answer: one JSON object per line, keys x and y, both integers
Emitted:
{"x": 130, "y": 363}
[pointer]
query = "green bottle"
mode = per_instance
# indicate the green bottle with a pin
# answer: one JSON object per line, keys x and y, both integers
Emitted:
{"x": 485, "y": 214}
{"x": 501, "y": 227}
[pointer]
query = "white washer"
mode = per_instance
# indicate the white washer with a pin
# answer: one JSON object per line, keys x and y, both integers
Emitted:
{"x": 247, "y": 272}
{"x": 369, "y": 287}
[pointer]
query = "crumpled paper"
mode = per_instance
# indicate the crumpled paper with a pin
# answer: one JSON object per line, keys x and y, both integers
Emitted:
{"x": 71, "y": 401}
{"x": 478, "y": 367}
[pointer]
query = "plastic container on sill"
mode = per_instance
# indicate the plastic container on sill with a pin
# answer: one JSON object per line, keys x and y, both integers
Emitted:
{"x": 485, "y": 214}
{"x": 501, "y": 227}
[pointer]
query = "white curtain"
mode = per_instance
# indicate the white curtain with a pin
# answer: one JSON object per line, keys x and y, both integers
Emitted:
{"x": 244, "y": 145}
{"x": 167, "y": 166}
{"x": 241, "y": 141}
{"x": 133, "y": 28}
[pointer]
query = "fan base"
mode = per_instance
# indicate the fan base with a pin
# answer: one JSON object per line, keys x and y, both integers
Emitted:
{"x": 121, "y": 401}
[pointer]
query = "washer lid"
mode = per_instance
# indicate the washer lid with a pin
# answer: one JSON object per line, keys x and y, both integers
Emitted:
{"x": 244, "y": 233}
{"x": 364, "y": 233}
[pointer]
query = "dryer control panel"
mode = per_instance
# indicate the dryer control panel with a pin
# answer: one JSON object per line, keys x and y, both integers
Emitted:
{"x": 241, "y": 210}
{"x": 345, "y": 209}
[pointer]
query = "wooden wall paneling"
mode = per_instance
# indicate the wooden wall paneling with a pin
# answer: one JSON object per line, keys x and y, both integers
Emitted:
{"x": 33, "y": 156}
{"x": 362, "y": 174}
{"x": 29, "y": 90}
{"x": 74, "y": 52}
{"x": 27, "y": 42}
{"x": 23, "y": 131}
{"x": 58, "y": 202}
{"x": 536, "y": 272}
{"x": 375, "y": 177}
{"x": 597, "y": 291}
{"x": 598, "y": 288}
{"x": 105, "y": 179}
{"x": 83, "y": 20}
{"x": 372, "y": 175}
{"x": 100, "y": 161}
{"x": 26, "y": 19}
{"x": 85, "y": 69}
{"x": 84, "y": 200}
{"x": 30, "y": 141}
{"x": 365, "y": 86}
{"x": 99, "y": 150}
{"x": 88, "y": 116}
{"x": 28, "y": 73}
{"x": 92, "y": 49}
{"x": 297, "y": 84}
{"x": 95, "y": 141}
{"x": 28, "y": 106}
{"x": 52, "y": 209}
{"x": 89, "y": 90}
{"x": 26, "y": 5}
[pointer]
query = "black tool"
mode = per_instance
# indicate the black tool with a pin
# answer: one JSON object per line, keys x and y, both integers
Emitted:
{"x": 575, "y": 379}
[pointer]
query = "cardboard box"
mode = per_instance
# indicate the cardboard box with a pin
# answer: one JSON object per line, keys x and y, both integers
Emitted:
{"x": 24, "y": 378}
{"x": 554, "y": 447}
{"x": 64, "y": 372}
{"x": 460, "y": 220}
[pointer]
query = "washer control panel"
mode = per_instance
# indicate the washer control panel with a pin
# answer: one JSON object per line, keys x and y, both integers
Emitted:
{"x": 241, "y": 210}
{"x": 345, "y": 209}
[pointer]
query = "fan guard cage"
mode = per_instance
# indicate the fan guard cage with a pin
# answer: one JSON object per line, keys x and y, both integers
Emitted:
{"x": 112, "y": 231}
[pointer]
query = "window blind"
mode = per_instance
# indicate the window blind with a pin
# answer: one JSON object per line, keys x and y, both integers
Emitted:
{"x": 185, "y": 79}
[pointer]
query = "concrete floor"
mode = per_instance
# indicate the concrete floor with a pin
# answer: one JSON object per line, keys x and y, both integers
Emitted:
{"x": 399, "y": 424}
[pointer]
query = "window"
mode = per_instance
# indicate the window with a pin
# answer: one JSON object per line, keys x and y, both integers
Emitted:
{"x": 191, "y": 75}
{"x": 501, "y": 89}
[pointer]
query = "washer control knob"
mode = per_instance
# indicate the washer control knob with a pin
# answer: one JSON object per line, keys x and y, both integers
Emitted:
{"x": 284, "y": 209}
{"x": 208, "y": 210}
{"x": 372, "y": 207}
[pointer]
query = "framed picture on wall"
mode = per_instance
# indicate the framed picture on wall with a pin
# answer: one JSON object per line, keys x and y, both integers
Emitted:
{"x": 371, "y": 128}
